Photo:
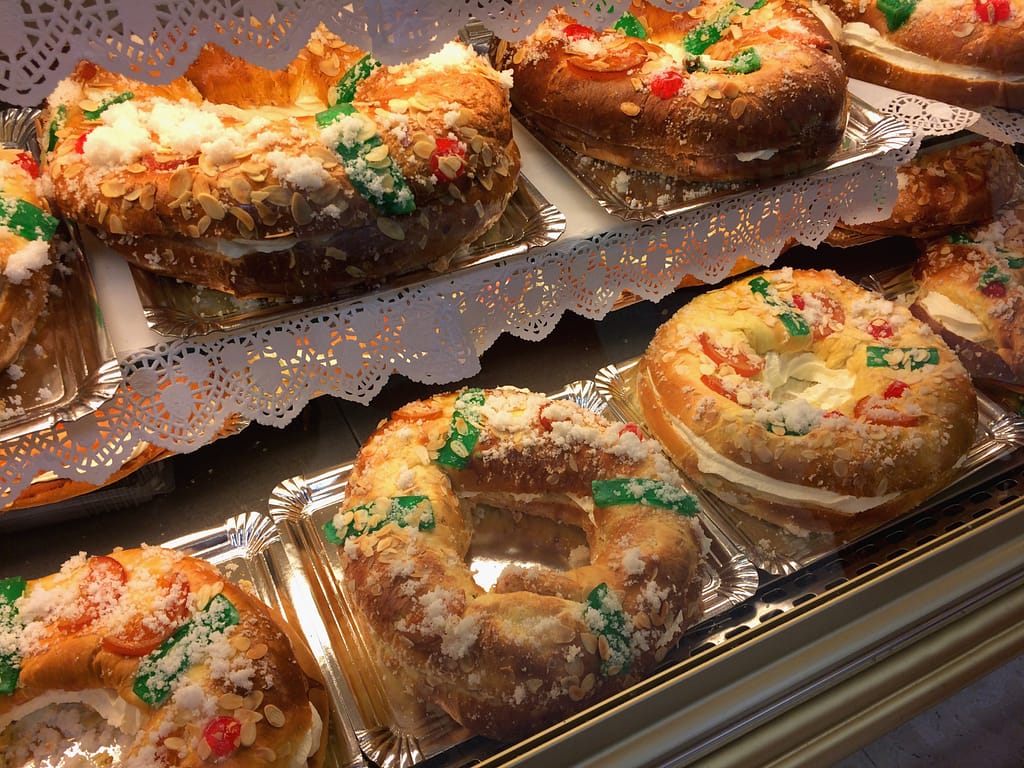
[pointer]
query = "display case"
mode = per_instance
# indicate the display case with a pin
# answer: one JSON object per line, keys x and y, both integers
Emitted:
{"x": 255, "y": 403}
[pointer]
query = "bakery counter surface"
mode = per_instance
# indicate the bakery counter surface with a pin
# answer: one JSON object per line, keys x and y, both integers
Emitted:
{"x": 791, "y": 670}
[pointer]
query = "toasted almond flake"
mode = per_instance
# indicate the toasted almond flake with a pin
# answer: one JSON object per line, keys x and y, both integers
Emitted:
{"x": 229, "y": 701}
{"x": 576, "y": 693}
{"x": 331, "y": 66}
{"x": 642, "y": 620}
{"x": 203, "y": 750}
{"x": 258, "y": 651}
{"x": 147, "y": 198}
{"x": 630, "y": 108}
{"x": 378, "y": 154}
{"x": 589, "y": 642}
{"x": 245, "y": 219}
{"x": 275, "y": 194}
{"x": 731, "y": 89}
{"x": 316, "y": 46}
{"x": 240, "y": 642}
{"x": 390, "y": 228}
{"x": 240, "y": 189}
{"x": 398, "y": 106}
{"x": 115, "y": 225}
{"x": 963, "y": 29}
{"x": 180, "y": 182}
{"x": 449, "y": 165}
{"x": 113, "y": 188}
{"x": 175, "y": 743}
{"x": 248, "y": 715}
{"x": 603, "y": 649}
{"x": 253, "y": 700}
{"x": 699, "y": 96}
{"x": 738, "y": 107}
{"x": 248, "y": 735}
{"x": 424, "y": 148}
{"x": 588, "y": 682}
{"x": 268, "y": 216}
{"x": 136, "y": 168}
{"x": 301, "y": 212}
{"x": 204, "y": 224}
{"x": 132, "y": 195}
{"x": 274, "y": 715}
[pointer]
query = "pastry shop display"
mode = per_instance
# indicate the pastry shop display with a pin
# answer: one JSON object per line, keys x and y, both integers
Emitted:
{"x": 800, "y": 398}
{"x": 27, "y": 255}
{"x": 541, "y": 643}
{"x": 970, "y": 288}
{"x": 965, "y": 52}
{"x": 719, "y": 93}
{"x": 158, "y": 650}
{"x": 331, "y": 173}
{"x": 946, "y": 188}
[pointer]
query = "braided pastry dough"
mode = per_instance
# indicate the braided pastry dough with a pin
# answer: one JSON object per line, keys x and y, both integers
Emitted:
{"x": 542, "y": 643}
{"x": 332, "y": 173}
{"x": 801, "y": 398}
{"x": 26, "y": 253}
{"x": 191, "y": 669}
{"x": 719, "y": 93}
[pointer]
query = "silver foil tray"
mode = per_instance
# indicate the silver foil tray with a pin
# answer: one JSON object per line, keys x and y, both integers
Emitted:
{"x": 68, "y": 367}
{"x": 639, "y": 196}
{"x": 775, "y": 550}
{"x": 178, "y": 309}
{"x": 249, "y": 550}
{"x": 392, "y": 728}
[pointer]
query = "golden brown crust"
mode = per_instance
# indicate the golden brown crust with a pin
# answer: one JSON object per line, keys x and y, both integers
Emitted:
{"x": 978, "y": 275}
{"x": 22, "y": 295}
{"x": 949, "y": 188}
{"x": 69, "y": 618}
{"x": 807, "y": 426}
{"x": 423, "y": 166}
{"x": 604, "y": 97}
{"x": 944, "y": 51}
{"x": 529, "y": 652}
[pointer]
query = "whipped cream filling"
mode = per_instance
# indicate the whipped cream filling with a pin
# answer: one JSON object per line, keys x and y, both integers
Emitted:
{"x": 804, "y": 375}
{"x": 111, "y": 707}
{"x": 127, "y": 719}
{"x": 764, "y": 154}
{"x": 710, "y": 462}
{"x": 863, "y": 36}
{"x": 953, "y": 316}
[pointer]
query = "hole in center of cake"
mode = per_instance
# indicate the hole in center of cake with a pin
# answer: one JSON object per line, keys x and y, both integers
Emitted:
{"x": 506, "y": 539}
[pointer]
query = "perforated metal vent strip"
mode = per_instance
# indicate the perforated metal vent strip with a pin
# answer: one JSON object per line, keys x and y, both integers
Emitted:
{"x": 1003, "y": 494}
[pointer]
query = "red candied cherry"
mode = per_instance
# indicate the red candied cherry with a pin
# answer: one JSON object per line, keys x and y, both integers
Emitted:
{"x": 880, "y": 328}
{"x": 895, "y": 389}
{"x": 223, "y": 734}
{"x": 744, "y": 364}
{"x": 995, "y": 289}
{"x": 80, "y": 144}
{"x": 26, "y": 162}
{"x": 666, "y": 84}
{"x": 632, "y": 429}
{"x": 579, "y": 32}
{"x": 992, "y": 11}
{"x": 446, "y": 169}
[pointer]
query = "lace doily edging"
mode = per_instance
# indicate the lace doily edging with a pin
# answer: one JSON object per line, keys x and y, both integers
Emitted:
{"x": 156, "y": 41}
{"x": 182, "y": 394}
{"x": 927, "y": 117}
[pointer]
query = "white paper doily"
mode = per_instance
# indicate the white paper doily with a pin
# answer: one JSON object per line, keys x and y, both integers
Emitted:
{"x": 179, "y": 394}
{"x": 40, "y": 42}
{"x": 927, "y": 117}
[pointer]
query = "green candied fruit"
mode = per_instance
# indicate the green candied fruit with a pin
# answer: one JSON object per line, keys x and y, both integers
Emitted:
{"x": 743, "y": 63}
{"x": 630, "y": 25}
{"x": 368, "y": 518}
{"x": 94, "y": 114}
{"x": 464, "y": 431}
{"x": 345, "y": 90}
{"x": 55, "y": 125}
{"x": 604, "y": 617}
{"x": 902, "y": 358}
{"x": 654, "y": 493}
{"x": 384, "y": 187}
{"x": 1015, "y": 262}
{"x": 26, "y": 220}
{"x": 959, "y": 238}
{"x": 790, "y": 318}
{"x": 10, "y": 664}
{"x": 896, "y": 12}
{"x": 158, "y": 671}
